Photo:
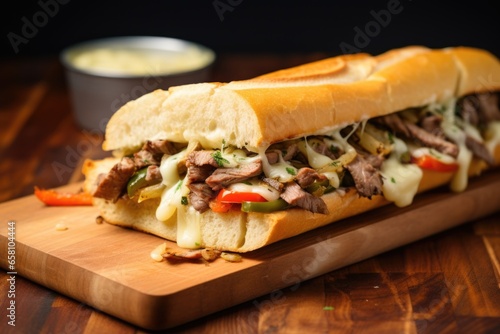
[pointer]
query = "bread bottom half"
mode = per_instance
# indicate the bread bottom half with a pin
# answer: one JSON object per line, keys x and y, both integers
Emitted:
{"x": 238, "y": 231}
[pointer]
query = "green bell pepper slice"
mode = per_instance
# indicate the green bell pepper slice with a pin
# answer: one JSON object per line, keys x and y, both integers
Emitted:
{"x": 138, "y": 181}
{"x": 266, "y": 207}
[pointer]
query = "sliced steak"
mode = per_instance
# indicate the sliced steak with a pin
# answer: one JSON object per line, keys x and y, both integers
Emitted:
{"x": 411, "y": 130}
{"x": 295, "y": 195}
{"x": 222, "y": 177}
{"x": 367, "y": 178}
{"x": 469, "y": 109}
{"x": 201, "y": 158}
{"x": 159, "y": 146}
{"x": 145, "y": 158}
{"x": 489, "y": 109}
{"x": 111, "y": 185}
{"x": 432, "y": 124}
{"x": 479, "y": 150}
{"x": 200, "y": 196}
{"x": 322, "y": 148}
{"x": 273, "y": 156}
{"x": 480, "y": 108}
{"x": 152, "y": 152}
{"x": 395, "y": 123}
{"x": 199, "y": 173}
{"x": 274, "y": 183}
{"x": 290, "y": 151}
{"x": 307, "y": 176}
{"x": 153, "y": 174}
{"x": 374, "y": 160}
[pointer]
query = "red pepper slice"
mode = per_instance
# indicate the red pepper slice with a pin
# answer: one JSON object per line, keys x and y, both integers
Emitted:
{"x": 218, "y": 206}
{"x": 226, "y": 199}
{"x": 57, "y": 198}
{"x": 431, "y": 163}
{"x": 227, "y": 196}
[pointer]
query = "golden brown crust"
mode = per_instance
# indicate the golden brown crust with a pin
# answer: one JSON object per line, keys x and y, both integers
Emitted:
{"x": 315, "y": 97}
{"x": 480, "y": 70}
{"x": 321, "y": 69}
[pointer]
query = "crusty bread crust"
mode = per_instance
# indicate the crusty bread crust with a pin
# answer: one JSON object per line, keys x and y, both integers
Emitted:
{"x": 313, "y": 98}
{"x": 479, "y": 70}
{"x": 309, "y": 99}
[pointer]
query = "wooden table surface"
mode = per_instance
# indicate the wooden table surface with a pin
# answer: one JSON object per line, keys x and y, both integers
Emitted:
{"x": 446, "y": 283}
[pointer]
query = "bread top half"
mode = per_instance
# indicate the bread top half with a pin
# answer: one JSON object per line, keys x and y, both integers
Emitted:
{"x": 314, "y": 98}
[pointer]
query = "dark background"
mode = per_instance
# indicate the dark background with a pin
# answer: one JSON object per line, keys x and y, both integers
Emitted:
{"x": 252, "y": 26}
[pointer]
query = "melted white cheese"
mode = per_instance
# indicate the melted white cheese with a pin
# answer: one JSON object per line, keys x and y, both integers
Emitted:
{"x": 333, "y": 178}
{"x": 401, "y": 181}
{"x": 256, "y": 187}
{"x": 452, "y": 131}
{"x": 168, "y": 202}
{"x": 168, "y": 168}
{"x": 316, "y": 160}
{"x": 331, "y": 170}
{"x": 188, "y": 227}
{"x": 281, "y": 171}
{"x": 426, "y": 151}
{"x": 233, "y": 158}
{"x": 171, "y": 196}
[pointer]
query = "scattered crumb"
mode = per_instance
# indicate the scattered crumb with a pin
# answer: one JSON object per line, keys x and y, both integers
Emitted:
{"x": 61, "y": 227}
{"x": 157, "y": 253}
{"x": 204, "y": 255}
{"x": 231, "y": 257}
{"x": 99, "y": 220}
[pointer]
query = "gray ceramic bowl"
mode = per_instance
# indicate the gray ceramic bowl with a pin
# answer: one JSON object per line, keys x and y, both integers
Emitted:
{"x": 104, "y": 74}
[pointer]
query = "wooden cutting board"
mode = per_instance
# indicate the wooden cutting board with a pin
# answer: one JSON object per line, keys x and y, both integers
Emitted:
{"x": 110, "y": 268}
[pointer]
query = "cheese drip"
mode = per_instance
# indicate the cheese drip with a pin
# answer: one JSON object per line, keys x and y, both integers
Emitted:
{"x": 401, "y": 181}
{"x": 173, "y": 200}
{"x": 449, "y": 125}
{"x": 281, "y": 171}
{"x": 188, "y": 227}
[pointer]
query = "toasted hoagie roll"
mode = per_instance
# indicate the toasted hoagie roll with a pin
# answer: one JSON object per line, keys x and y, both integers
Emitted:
{"x": 236, "y": 166}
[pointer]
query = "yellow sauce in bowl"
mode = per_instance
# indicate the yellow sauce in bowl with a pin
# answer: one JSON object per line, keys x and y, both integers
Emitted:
{"x": 137, "y": 62}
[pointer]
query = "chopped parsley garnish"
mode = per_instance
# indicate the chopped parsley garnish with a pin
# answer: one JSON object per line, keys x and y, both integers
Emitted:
{"x": 184, "y": 200}
{"x": 333, "y": 149}
{"x": 393, "y": 180}
{"x": 290, "y": 170}
{"x": 405, "y": 157}
{"x": 219, "y": 159}
{"x": 390, "y": 136}
{"x": 335, "y": 163}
